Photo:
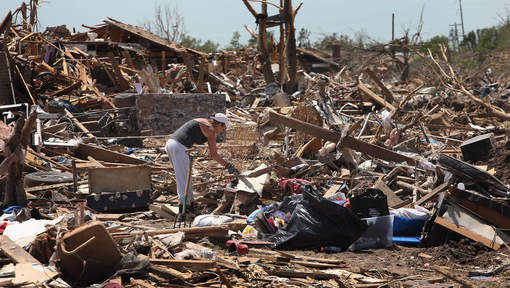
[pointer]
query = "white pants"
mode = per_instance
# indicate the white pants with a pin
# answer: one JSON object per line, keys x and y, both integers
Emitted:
{"x": 180, "y": 161}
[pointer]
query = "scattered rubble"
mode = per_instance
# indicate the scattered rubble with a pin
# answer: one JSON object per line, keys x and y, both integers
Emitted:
{"x": 369, "y": 160}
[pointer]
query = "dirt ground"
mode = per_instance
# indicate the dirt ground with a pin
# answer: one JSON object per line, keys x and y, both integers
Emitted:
{"x": 413, "y": 264}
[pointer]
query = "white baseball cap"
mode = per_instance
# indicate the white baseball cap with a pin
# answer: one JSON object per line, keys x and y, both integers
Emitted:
{"x": 220, "y": 117}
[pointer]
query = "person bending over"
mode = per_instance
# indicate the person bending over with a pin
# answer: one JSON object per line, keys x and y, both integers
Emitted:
{"x": 195, "y": 131}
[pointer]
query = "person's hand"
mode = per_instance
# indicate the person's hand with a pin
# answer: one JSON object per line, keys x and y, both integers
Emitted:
{"x": 231, "y": 169}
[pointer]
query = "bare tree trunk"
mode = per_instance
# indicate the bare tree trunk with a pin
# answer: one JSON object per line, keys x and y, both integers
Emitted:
{"x": 283, "y": 67}
{"x": 14, "y": 190}
{"x": 14, "y": 152}
{"x": 264, "y": 55}
{"x": 290, "y": 30}
{"x": 33, "y": 13}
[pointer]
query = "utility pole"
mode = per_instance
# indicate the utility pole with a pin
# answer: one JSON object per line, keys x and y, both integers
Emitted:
{"x": 461, "y": 19}
{"x": 454, "y": 36}
{"x": 392, "y": 26}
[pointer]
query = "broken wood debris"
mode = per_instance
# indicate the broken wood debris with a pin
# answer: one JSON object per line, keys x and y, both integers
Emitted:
{"x": 97, "y": 103}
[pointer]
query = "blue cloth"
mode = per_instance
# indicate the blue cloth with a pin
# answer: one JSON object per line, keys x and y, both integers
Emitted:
{"x": 12, "y": 209}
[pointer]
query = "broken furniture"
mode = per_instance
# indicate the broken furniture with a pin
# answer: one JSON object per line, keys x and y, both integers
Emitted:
{"x": 88, "y": 254}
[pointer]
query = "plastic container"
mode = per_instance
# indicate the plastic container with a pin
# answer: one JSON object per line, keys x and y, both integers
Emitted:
{"x": 403, "y": 226}
{"x": 379, "y": 234}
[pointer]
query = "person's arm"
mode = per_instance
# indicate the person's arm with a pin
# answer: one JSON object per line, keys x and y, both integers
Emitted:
{"x": 211, "y": 141}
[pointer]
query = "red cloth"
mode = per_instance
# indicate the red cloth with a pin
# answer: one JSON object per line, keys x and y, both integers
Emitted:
{"x": 3, "y": 226}
{"x": 292, "y": 185}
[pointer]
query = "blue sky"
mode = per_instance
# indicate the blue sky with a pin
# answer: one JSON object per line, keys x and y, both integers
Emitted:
{"x": 217, "y": 19}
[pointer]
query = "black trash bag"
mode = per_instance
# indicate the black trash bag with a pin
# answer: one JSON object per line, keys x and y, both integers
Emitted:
{"x": 318, "y": 222}
{"x": 288, "y": 205}
{"x": 372, "y": 203}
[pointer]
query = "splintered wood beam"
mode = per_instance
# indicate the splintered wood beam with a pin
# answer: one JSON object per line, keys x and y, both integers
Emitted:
{"x": 467, "y": 233}
{"x": 101, "y": 154}
{"x": 77, "y": 123}
{"x": 348, "y": 141}
{"x": 24, "y": 84}
{"x": 432, "y": 194}
{"x": 201, "y": 74}
{"x": 65, "y": 90}
{"x": 383, "y": 88}
{"x": 376, "y": 98}
{"x": 15, "y": 252}
{"x": 393, "y": 199}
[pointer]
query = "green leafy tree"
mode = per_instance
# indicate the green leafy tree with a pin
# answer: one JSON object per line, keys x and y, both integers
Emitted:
{"x": 252, "y": 41}
{"x": 195, "y": 43}
{"x": 327, "y": 41}
{"x": 304, "y": 38}
{"x": 209, "y": 47}
{"x": 235, "y": 43}
{"x": 433, "y": 45}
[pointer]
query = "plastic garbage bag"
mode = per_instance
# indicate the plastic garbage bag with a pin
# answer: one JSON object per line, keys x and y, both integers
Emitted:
{"x": 211, "y": 220}
{"x": 316, "y": 222}
{"x": 417, "y": 212}
{"x": 379, "y": 234}
{"x": 386, "y": 120}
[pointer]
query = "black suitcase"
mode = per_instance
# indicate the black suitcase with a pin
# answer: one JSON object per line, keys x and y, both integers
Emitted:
{"x": 119, "y": 201}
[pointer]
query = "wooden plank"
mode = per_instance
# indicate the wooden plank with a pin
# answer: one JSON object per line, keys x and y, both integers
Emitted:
{"x": 65, "y": 90}
{"x": 347, "y": 141}
{"x": 201, "y": 74}
{"x": 383, "y": 88}
{"x": 376, "y": 151}
{"x": 129, "y": 60}
{"x": 393, "y": 200}
{"x": 376, "y": 98}
{"x": 168, "y": 272}
{"x": 332, "y": 190}
{"x": 94, "y": 161}
{"x": 163, "y": 60}
{"x": 255, "y": 102}
{"x": 108, "y": 217}
{"x": 434, "y": 192}
{"x": 191, "y": 264}
{"x": 59, "y": 166}
{"x": 465, "y": 232}
{"x": 100, "y": 154}
{"x": 15, "y": 252}
{"x": 121, "y": 81}
{"x": 452, "y": 276}
{"x": 491, "y": 215}
{"x": 77, "y": 123}
{"x": 158, "y": 209}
